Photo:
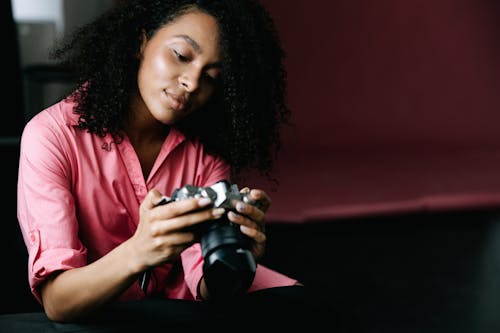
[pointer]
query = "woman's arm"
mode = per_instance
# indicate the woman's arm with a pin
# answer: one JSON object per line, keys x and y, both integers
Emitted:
{"x": 74, "y": 293}
{"x": 159, "y": 238}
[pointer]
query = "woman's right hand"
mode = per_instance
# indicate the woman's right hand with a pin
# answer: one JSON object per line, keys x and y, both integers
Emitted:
{"x": 163, "y": 233}
{"x": 160, "y": 237}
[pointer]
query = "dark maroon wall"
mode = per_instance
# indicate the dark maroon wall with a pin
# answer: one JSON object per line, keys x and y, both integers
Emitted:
{"x": 396, "y": 105}
{"x": 392, "y": 72}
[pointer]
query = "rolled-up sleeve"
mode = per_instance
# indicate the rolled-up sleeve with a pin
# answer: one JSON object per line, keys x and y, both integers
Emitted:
{"x": 45, "y": 209}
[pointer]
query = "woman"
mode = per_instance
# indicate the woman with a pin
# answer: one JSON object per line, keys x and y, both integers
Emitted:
{"x": 169, "y": 93}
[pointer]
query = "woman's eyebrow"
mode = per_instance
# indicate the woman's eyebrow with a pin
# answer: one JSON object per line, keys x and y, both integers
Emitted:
{"x": 191, "y": 42}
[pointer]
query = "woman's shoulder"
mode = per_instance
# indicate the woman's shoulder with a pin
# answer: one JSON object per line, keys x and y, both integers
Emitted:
{"x": 51, "y": 123}
{"x": 58, "y": 113}
{"x": 57, "y": 116}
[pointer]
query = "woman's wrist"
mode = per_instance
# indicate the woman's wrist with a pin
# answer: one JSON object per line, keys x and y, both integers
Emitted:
{"x": 134, "y": 264}
{"x": 202, "y": 291}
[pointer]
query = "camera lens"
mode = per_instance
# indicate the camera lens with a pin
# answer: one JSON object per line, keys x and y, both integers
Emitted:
{"x": 229, "y": 266}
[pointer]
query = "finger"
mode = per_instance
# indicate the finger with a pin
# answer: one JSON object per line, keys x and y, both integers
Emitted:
{"x": 187, "y": 220}
{"x": 152, "y": 198}
{"x": 257, "y": 235}
{"x": 249, "y": 210}
{"x": 261, "y": 197}
{"x": 180, "y": 207}
{"x": 245, "y": 221}
{"x": 245, "y": 190}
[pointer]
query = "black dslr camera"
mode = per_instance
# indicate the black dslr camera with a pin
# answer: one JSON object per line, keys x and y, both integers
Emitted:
{"x": 229, "y": 266}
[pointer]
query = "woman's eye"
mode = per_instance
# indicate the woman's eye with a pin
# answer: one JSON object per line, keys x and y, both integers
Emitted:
{"x": 180, "y": 56}
{"x": 211, "y": 79}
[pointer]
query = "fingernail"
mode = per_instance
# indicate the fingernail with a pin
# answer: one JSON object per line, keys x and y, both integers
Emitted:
{"x": 240, "y": 207}
{"x": 244, "y": 228}
{"x": 204, "y": 201}
{"x": 217, "y": 212}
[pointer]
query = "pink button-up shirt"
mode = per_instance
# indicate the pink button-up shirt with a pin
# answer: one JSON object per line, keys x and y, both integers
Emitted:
{"x": 79, "y": 196}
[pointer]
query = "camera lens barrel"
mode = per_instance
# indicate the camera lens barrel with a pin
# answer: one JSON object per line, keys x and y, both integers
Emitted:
{"x": 229, "y": 266}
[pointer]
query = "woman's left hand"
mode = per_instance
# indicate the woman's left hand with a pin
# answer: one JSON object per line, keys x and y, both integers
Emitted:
{"x": 251, "y": 219}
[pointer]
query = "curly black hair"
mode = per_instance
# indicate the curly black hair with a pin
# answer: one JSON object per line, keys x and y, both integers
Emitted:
{"x": 241, "y": 122}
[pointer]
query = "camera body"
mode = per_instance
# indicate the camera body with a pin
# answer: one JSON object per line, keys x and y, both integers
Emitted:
{"x": 228, "y": 264}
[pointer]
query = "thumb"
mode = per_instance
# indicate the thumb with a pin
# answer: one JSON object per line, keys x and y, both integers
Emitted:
{"x": 152, "y": 199}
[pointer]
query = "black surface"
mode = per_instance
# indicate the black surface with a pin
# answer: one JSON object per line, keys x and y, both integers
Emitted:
{"x": 411, "y": 273}
{"x": 286, "y": 308}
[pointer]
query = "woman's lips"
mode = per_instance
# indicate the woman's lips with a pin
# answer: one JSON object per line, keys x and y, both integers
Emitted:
{"x": 177, "y": 102}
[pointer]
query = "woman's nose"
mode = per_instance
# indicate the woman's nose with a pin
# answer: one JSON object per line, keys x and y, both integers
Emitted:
{"x": 189, "y": 80}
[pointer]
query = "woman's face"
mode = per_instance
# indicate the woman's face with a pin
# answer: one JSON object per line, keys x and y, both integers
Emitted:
{"x": 180, "y": 67}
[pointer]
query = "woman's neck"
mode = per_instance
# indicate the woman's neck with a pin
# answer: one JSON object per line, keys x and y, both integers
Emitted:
{"x": 146, "y": 135}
